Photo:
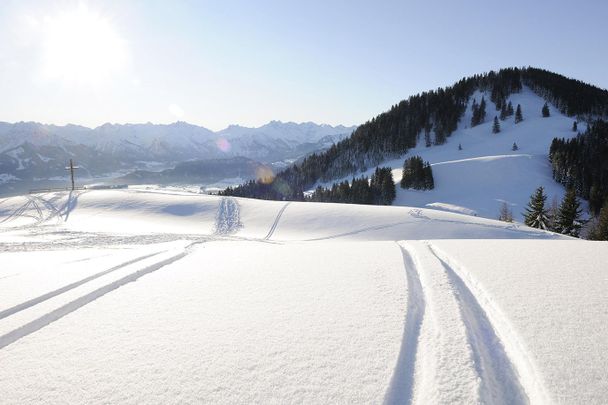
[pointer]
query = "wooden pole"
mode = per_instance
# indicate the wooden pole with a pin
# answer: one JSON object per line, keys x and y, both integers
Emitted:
{"x": 71, "y": 168}
{"x": 72, "y": 172}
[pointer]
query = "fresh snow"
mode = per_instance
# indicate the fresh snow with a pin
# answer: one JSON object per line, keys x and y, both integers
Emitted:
{"x": 168, "y": 296}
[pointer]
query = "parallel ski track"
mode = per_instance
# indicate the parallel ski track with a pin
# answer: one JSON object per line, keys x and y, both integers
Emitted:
{"x": 276, "y": 221}
{"x": 54, "y": 293}
{"x": 505, "y": 367}
{"x": 58, "y": 313}
{"x": 402, "y": 383}
{"x": 503, "y": 379}
{"x": 499, "y": 383}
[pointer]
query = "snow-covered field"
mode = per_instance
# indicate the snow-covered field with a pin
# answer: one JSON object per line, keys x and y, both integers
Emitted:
{"x": 162, "y": 296}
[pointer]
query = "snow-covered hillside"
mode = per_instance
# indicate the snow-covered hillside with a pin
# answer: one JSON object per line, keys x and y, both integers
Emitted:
{"x": 487, "y": 172}
{"x": 149, "y": 296}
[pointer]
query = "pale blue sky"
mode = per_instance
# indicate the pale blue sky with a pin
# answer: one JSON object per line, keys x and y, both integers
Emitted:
{"x": 216, "y": 63}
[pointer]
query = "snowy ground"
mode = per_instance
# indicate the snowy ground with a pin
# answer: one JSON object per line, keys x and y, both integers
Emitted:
{"x": 164, "y": 296}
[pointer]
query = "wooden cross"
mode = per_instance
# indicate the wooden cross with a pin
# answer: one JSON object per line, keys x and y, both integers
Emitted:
{"x": 71, "y": 168}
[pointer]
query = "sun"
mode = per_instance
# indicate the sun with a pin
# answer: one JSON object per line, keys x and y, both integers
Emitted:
{"x": 81, "y": 46}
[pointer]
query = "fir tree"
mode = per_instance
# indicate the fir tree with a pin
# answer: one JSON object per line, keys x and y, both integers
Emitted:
{"x": 509, "y": 109}
{"x": 429, "y": 181}
{"x": 496, "y": 126}
{"x": 536, "y": 214}
{"x": 475, "y": 114}
{"x": 600, "y": 229}
{"x": 552, "y": 214}
{"x": 518, "y": 115}
{"x": 459, "y": 146}
{"x": 503, "y": 112}
{"x": 514, "y": 147}
{"x": 574, "y": 126}
{"x": 595, "y": 199}
{"x": 427, "y": 135}
{"x": 479, "y": 112}
{"x": 506, "y": 214}
{"x": 417, "y": 174}
{"x": 383, "y": 186}
{"x": 568, "y": 221}
{"x": 545, "y": 111}
{"x": 499, "y": 103}
{"x": 482, "y": 110}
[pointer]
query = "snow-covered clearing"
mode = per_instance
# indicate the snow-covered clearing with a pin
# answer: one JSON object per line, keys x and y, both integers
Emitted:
{"x": 162, "y": 296}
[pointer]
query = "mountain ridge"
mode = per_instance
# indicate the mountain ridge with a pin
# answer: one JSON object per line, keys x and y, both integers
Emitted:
{"x": 32, "y": 151}
{"x": 431, "y": 117}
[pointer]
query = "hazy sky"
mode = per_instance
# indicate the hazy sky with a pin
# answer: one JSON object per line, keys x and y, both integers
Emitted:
{"x": 248, "y": 62}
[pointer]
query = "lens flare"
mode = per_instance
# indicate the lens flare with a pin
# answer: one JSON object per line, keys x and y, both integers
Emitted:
{"x": 264, "y": 174}
{"x": 223, "y": 144}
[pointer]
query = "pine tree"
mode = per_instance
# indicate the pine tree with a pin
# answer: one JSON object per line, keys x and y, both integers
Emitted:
{"x": 474, "y": 113}
{"x": 482, "y": 110}
{"x": 506, "y": 214}
{"x": 509, "y": 109}
{"x": 503, "y": 112}
{"x": 595, "y": 199}
{"x": 600, "y": 230}
{"x": 518, "y": 115}
{"x": 574, "y": 126}
{"x": 417, "y": 174}
{"x": 496, "y": 126}
{"x": 427, "y": 135}
{"x": 536, "y": 214}
{"x": 459, "y": 146}
{"x": 514, "y": 147}
{"x": 499, "y": 103}
{"x": 552, "y": 214}
{"x": 429, "y": 182}
{"x": 545, "y": 111}
{"x": 388, "y": 192}
{"x": 568, "y": 221}
{"x": 382, "y": 186}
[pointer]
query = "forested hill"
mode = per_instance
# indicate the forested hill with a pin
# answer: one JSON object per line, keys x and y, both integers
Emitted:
{"x": 429, "y": 117}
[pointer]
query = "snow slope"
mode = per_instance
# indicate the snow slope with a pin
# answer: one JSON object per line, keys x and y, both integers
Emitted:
{"x": 477, "y": 179}
{"x": 159, "y": 296}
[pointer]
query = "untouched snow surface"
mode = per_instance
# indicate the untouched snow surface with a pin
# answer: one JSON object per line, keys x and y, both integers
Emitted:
{"x": 165, "y": 296}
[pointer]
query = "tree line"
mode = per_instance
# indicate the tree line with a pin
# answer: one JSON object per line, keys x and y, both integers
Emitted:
{"x": 581, "y": 163}
{"x": 378, "y": 190}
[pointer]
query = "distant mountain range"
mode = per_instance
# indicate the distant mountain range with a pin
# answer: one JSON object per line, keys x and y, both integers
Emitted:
{"x": 31, "y": 152}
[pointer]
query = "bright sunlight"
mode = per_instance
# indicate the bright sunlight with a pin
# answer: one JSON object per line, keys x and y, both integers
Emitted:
{"x": 81, "y": 46}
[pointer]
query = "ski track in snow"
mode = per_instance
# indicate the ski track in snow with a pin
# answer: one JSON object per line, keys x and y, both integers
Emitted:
{"x": 515, "y": 228}
{"x": 507, "y": 366}
{"x": 42, "y": 211}
{"x": 276, "y": 221}
{"x": 402, "y": 383}
{"x": 498, "y": 380}
{"x": 73, "y": 305}
{"x": 51, "y": 294}
{"x": 228, "y": 219}
{"x": 451, "y": 351}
